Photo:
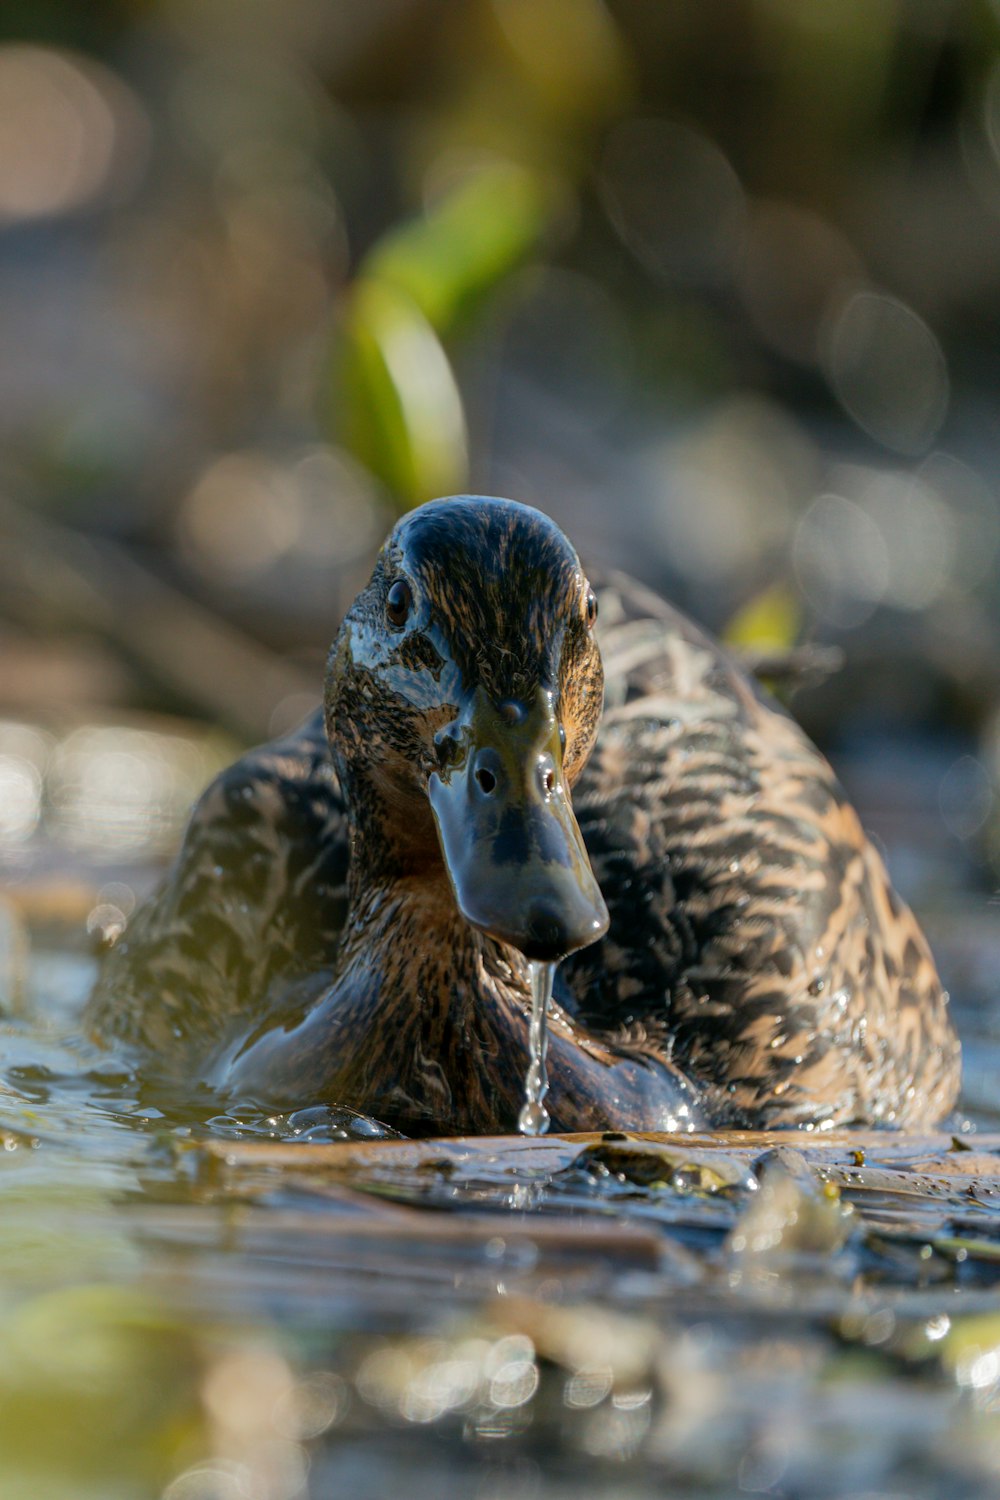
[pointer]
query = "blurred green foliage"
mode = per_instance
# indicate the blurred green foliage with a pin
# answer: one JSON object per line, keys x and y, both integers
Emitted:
{"x": 398, "y": 407}
{"x": 450, "y": 259}
{"x": 715, "y": 285}
{"x": 396, "y": 403}
{"x": 97, "y": 1389}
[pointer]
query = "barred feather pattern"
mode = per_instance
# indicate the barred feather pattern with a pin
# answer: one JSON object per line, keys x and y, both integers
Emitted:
{"x": 754, "y": 936}
{"x": 248, "y": 921}
{"x": 755, "y": 944}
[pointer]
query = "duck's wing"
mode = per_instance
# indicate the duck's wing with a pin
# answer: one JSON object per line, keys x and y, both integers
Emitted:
{"x": 754, "y": 936}
{"x": 253, "y": 904}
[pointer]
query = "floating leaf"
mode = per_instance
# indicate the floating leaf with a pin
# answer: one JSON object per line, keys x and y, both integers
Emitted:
{"x": 794, "y": 1213}
{"x": 675, "y": 1167}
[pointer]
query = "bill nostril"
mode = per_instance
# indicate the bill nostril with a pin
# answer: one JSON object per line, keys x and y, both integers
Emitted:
{"x": 549, "y": 781}
{"x": 487, "y": 771}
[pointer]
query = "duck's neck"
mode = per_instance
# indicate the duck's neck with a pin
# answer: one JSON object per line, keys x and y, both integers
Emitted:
{"x": 426, "y": 1027}
{"x": 435, "y": 1017}
{"x": 403, "y": 928}
{"x": 406, "y": 943}
{"x": 428, "y": 1017}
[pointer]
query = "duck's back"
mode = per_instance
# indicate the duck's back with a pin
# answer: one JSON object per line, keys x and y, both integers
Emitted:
{"x": 754, "y": 936}
{"x": 249, "y": 915}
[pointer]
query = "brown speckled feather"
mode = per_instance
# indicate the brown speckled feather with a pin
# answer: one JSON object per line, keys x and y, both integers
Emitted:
{"x": 754, "y": 931}
{"x": 254, "y": 903}
{"x": 756, "y": 948}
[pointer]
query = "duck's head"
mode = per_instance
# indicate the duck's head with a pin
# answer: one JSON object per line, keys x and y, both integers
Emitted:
{"x": 463, "y": 696}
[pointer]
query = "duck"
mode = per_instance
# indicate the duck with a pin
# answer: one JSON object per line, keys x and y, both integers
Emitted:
{"x": 516, "y": 766}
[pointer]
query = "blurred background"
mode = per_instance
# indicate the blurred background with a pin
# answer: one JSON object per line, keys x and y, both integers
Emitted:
{"x": 717, "y": 286}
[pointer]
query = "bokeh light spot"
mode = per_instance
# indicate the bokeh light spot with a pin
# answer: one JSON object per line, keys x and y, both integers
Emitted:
{"x": 793, "y": 265}
{"x": 20, "y": 799}
{"x": 918, "y": 534}
{"x": 887, "y": 370}
{"x": 966, "y": 797}
{"x": 728, "y": 488}
{"x": 69, "y": 132}
{"x": 675, "y": 200}
{"x": 840, "y": 561}
{"x": 240, "y": 515}
{"x": 974, "y": 516}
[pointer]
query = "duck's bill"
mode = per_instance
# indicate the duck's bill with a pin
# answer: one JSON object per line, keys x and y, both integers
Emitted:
{"x": 512, "y": 847}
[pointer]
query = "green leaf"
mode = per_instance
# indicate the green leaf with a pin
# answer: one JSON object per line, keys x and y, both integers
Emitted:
{"x": 396, "y": 404}
{"x": 448, "y": 261}
{"x": 397, "y": 407}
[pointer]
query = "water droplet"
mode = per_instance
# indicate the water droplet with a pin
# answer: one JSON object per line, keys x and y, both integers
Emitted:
{"x": 534, "y": 1117}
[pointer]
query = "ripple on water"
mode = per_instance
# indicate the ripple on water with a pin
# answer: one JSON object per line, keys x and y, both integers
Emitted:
{"x": 669, "y": 1314}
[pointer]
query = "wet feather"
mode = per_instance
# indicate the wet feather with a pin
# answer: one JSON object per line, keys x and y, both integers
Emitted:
{"x": 759, "y": 969}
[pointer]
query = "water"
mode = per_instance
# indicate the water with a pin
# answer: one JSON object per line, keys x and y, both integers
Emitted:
{"x": 534, "y": 1117}
{"x": 208, "y": 1304}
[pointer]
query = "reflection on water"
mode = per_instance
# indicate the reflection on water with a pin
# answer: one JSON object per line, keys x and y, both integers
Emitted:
{"x": 198, "y": 1305}
{"x": 110, "y": 790}
{"x": 202, "y": 1302}
{"x": 762, "y": 287}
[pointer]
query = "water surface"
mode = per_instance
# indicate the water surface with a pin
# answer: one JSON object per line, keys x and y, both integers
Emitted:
{"x": 209, "y": 1305}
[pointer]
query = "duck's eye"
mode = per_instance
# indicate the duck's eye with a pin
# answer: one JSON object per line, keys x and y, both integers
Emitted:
{"x": 590, "y": 609}
{"x": 398, "y": 602}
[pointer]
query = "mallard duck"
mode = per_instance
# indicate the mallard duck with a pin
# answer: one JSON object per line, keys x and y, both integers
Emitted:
{"x": 355, "y": 909}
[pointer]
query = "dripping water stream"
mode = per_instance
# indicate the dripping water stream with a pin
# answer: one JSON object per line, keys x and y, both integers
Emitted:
{"x": 534, "y": 1117}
